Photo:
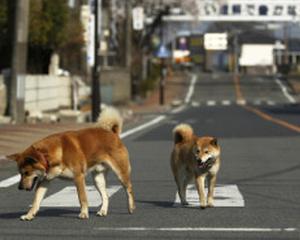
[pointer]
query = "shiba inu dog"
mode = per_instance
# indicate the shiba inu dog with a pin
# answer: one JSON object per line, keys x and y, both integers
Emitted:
{"x": 72, "y": 155}
{"x": 195, "y": 158}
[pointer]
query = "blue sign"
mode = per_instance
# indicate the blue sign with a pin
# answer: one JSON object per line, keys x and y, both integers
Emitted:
{"x": 163, "y": 52}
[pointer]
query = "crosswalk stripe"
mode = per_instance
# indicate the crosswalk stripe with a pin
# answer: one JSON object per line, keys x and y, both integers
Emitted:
{"x": 67, "y": 197}
{"x": 271, "y": 103}
{"x": 241, "y": 102}
{"x": 211, "y": 103}
{"x": 226, "y": 102}
{"x": 225, "y": 196}
{"x": 10, "y": 181}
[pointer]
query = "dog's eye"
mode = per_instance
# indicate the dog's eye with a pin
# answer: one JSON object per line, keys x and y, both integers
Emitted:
{"x": 206, "y": 151}
{"x": 26, "y": 173}
{"x": 198, "y": 151}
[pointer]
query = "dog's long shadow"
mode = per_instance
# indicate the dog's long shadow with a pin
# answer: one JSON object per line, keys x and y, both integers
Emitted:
{"x": 66, "y": 213}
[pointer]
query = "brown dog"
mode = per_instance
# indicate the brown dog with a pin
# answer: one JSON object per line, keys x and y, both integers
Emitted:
{"x": 195, "y": 158}
{"x": 72, "y": 155}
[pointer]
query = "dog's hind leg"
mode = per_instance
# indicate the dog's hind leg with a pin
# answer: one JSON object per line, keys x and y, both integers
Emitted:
{"x": 100, "y": 183}
{"x": 122, "y": 170}
{"x": 81, "y": 191}
{"x": 38, "y": 197}
{"x": 182, "y": 181}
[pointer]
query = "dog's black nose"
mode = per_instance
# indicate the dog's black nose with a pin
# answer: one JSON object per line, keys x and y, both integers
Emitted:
{"x": 20, "y": 187}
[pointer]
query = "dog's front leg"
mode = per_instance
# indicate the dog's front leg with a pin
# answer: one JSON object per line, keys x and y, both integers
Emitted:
{"x": 38, "y": 197}
{"x": 211, "y": 186}
{"x": 200, "y": 183}
{"x": 80, "y": 185}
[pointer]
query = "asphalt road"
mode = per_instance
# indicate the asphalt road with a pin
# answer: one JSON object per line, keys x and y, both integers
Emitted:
{"x": 260, "y": 158}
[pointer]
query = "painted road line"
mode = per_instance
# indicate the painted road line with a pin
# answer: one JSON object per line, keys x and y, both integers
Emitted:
{"x": 270, "y": 103}
{"x": 226, "y": 102}
{"x": 15, "y": 179}
{"x": 67, "y": 197}
{"x": 195, "y": 104}
{"x": 257, "y": 102}
{"x": 178, "y": 109}
{"x": 241, "y": 102}
{"x": 211, "y": 103}
{"x": 143, "y": 126}
{"x": 225, "y": 196}
{"x": 285, "y": 91}
{"x": 191, "y": 89}
{"x": 194, "y": 229}
{"x": 274, "y": 120}
{"x": 10, "y": 181}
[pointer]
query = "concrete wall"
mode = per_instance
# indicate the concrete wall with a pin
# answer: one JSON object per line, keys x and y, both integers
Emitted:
{"x": 45, "y": 92}
{"x": 115, "y": 85}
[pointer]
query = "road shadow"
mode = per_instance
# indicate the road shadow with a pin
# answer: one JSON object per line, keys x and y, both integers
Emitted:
{"x": 66, "y": 213}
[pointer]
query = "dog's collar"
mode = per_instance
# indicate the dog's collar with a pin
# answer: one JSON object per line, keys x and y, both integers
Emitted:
{"x": 45, "y": 163}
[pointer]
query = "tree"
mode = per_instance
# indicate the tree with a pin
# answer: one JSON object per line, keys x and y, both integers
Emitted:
{"x": 48, "y": 20}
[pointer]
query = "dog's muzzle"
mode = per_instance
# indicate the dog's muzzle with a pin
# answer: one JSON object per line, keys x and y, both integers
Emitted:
{"x": 207, "y": 164}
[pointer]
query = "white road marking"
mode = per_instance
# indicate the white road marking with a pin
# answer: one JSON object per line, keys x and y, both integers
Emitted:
{"x": 143, "y": 126}
{"x": 271, "y": 103}
{"x": 257, "y": 102}
{"x": 10, "y": 181}
{"x": 191, "y": 89}
{"x": 15, "y": 179}
{"x": 285, "y": 91}
{"x": 195, "y": 229}
{"x": 67, "y": 197}
{"x": 211, "y": 103}
{"x": 226, "y": 102}
{"x": 225, "y": 196}
{"x": 195, "y": 104}
{"x": 178, "y": 109}
{"x": 241, "y": 102}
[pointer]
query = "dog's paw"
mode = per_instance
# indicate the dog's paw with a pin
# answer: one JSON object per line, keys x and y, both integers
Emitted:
{"x": 131, "y": 209}
{"x": 27, "y": 217}
{"x": 210, "y": 205}
{"x": 83, "y": 215}
{"x": 102, "y": 213}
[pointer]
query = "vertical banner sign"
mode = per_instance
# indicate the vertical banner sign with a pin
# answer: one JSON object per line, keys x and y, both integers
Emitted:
{"x": 138, "y": 18}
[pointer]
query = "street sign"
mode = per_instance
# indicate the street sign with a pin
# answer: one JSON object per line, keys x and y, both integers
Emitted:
{"x": 242, "y": 10}
{"x": 163, "y": 52}
{"x": 138, "y": 18}
{"x": 215, "y": 41}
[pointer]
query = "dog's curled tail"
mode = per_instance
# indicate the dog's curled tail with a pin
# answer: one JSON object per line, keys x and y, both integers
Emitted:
{"x": 111, "y": 120}
{"x": 182, "y": 133}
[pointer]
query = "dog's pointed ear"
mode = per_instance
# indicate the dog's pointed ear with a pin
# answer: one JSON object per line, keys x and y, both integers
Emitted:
{"x": 13, "y": 157}
{"x": 214, "y": 141}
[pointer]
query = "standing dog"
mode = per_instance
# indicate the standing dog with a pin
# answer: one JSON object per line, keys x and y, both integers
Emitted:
{"x": 195, "y": 158}
{"x": 72, "y": 155}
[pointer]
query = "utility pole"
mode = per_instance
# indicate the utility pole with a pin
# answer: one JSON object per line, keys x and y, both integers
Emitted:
{"x": 128, "y": 38}
{"x": 96, "y": 91}
{"x": 19, "y": 61}
{"x": 286, "y": 43}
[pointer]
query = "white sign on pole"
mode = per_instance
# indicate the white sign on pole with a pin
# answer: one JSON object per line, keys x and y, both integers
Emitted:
{"x": 138, "y": 18}
{"x": 215, "y": 41}
{"x": 91, "y": 41}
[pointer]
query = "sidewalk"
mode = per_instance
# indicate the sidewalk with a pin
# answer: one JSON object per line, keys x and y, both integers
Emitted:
{"x": 14, "y": 138}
